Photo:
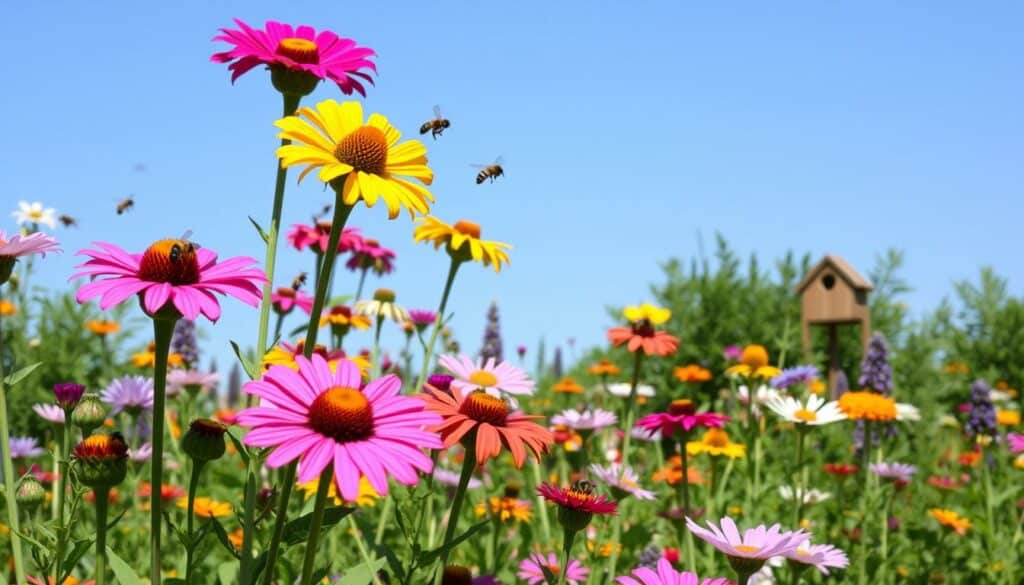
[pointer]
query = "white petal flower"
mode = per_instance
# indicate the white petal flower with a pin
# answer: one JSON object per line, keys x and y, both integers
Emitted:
{"x": 388, "y": 310}
{"x": 622, "y": 389}
{"x": 35, "y": 213}
{"x": 907, "y": 412}
{"x": 815, "y": 412}
{"x": 810, "y": 496}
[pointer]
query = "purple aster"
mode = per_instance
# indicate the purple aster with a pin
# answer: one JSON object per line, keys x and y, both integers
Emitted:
{"x": 898, "y": 472}
{"x": 795, "y": 375}
{"x": 982, "y": 420}
{"x": 875, "y": 372}
{"x": 143, "y": 453}
{"x": 50, "y": 412}
{"x": 25, "y": 447}
{"x": 68, "y": 394}
{"x": 132, "y": 394}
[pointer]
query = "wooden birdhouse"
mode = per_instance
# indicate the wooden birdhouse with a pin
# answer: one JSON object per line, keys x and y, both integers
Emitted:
{"x": 833, "y": 294}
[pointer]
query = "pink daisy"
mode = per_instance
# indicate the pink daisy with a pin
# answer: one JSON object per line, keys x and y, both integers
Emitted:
{"x": 488, "y": 376}
{"x": 371, "y": 255}
{"x": 666, "y": 575}
{"x": 1016, "y": 441}
{"x": 531, "y": 571}
{"x": 325, "y": 418}
{"x": 170, "y": 273}
{"x": 286, "y": 298}
{"x": 755, "y": 544}
{"x": 17, "y": 245}
{"x": 317, "y": 236}
{"x": 682, "y": 415}
{"x": 324, "y": 55}
{"x": 821, "y": 556}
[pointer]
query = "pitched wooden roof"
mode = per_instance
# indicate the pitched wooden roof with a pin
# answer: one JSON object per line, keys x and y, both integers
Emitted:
{"x": 842, "y": 268}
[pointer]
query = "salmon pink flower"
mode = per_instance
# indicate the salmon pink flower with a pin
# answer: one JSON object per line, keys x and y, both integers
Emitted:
{"x": 171, "y": 274}
{"x": 682, "y": 415}
{"x": 14, "y": 246}
{"x": 666, "y": 575}
{"x": 280, "y": 46}
{"x": 326, "y": 417}
{"x": 486, "y": 423}
{"x": 641, "y": 335}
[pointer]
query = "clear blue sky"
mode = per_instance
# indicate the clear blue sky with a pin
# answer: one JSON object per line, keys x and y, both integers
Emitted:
{"x": 627, "y": 129}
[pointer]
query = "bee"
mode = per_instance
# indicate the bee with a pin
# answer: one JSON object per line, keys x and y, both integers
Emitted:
{"x": 436, "y": 126}
{"x": 322, "y": 213}
{"x": 126, "y": 204}
{"x": 299, "y": 281}
{"x": 583, "y": 486}
{"x": 67, "y": 221}
{"x": 491, "y": 171}
{"x": 182, "y": 247}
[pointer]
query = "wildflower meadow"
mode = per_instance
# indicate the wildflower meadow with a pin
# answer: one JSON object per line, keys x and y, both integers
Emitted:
{"x": 738, "y": 424}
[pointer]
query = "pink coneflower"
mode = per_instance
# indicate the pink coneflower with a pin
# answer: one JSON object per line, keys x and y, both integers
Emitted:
{"x": 286, "y": 298}
{"x": 623, "y": 481}
{"x": 14, "y": 246}
{"x": 577, "y": 500}
{"x": 682, "y": 415}
{"x": 318, "y": 235}
{"x": 280, "y": 46}
{"x": 1016, "y": 441}
{"x": 821, "y": 556}
{"x": 370, "y": 255}
{"x": 667, "y": 575}
{"x": 50, "y": 412}
{"x": 325, "y": 417}
{"x": 490, "y": 376}
{"x": 170, "y": 273}
{"x": 748, "y": 552}
{"x": 421, "y": 319}
{"x": 588, "y": 420}
{"x": 900, "y": 473}
{"x": 530, "y": 569}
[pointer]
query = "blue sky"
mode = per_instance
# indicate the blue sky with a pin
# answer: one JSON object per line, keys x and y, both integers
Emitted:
{"x": 627, "y": 128}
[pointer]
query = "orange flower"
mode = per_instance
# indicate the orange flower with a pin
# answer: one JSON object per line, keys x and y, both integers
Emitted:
{"x": 236, "y": 537}
{"x": 604, "y": 368}
{"x": 484, "y": 423}
{"x": 1007, "y": 418}
{"x": 957, "y": 368}
{"x": 567, "y": 386}
{"x": 641, "y": 335}
{"x": 207, "y": 508}
{"x": 867, "y": 405}
{"x": 969, "y": 458}
{"x": 673, "y": 472}
{"x": 147, "y": 359}
{"x": 103, "y": 327}
{"x": 692, "y": 373}
{"x": 949, "y": 518}
{"x": 7, "y": 308}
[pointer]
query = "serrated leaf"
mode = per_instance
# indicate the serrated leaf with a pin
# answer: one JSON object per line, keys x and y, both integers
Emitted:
{"x": 259, "y": 230}
{"x": 361, "y": 574}
{"x": 122, "y": 572}
{"x": 15, "y": 377}
{"x": 297, "y": 530}
{"x": 250, "y": 369}
{"x": 429, "y": 556}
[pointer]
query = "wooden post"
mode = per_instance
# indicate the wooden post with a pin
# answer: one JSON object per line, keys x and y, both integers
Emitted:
{"x": 833, "y": 358}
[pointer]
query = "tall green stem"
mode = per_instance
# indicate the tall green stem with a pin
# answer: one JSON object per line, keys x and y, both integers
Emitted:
{"x": 359, "y": 287}
{"x": 316, "y": 522}
{"x": 375, "y": 356}
{"x": 567, "y": 541}
{"x": 361, "y": 546}
{"x": 799, "y": 487}
{"x": 638, "y": 357}
{"x": 542, "y": 509}
{"x": 341, "y": 214}
{"x": 193, "y": 486}
{"x": 8, "y": 465}
{"x": 163, "y": 330}
{"x": 428, "y": 353}
{"x": 862, "y": 577}
{"x": 102, "y": 502}
{"x": 58, "y": 494}
{"x": 468, "y": 465}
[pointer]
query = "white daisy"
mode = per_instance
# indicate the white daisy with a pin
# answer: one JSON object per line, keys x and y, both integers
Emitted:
{"x": 622, "y": 389}
{"x": 588, "y": 420}
{"x": 907, "y": 412}
{"x": 811, "y": 496}
{"x": 382, "y": 305}
{"x": 35, "y": 213}
{"x": 763, "y": 394}
{"x": 815, "y": 412}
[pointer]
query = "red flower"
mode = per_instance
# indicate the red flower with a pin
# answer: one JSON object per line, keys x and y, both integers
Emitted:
{"x": 840, "y": 469}
{"x": 577, "y": 499}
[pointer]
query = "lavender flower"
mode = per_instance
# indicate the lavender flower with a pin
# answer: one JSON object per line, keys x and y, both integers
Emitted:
{"x": 142, "y": 454}
{"x": 795, "y": 375}
{"x": 492, "y": 336}
{"x": 184, "y": 342}
{"x": 23, "y": 447}
{"x": 875, "y": 372}
{"x": 132, "y": 394}
{"x": 898, "y": 472}
{"x": 50, "y": 412}
{"x": 983, "y": 413}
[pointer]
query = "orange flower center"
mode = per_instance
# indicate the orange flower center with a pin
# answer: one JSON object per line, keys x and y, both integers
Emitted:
{"x": 171, "y": 261}
{"x": 754, "y": 356}
{"x": 102, "y": 446}
{"x": 299, "y": 50}
{"x": 467, "y": 228}
{"x": 365, "y": 149}
{"x": 483, "y": 378}
{"x": 716, "y": 438}
{"x": 805, "y": 415}
{"x": 746, "y": 548}
{"x": 555, "y": 569}
{"x": 343, "y": 414}
{"x": 682, "y": 406}
{"x": 482, "y": 407}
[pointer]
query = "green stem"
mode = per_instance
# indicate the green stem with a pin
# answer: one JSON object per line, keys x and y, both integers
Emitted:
{"x": 375, "y": 356}
{"x": 468, "y": 464}
{"x": 102, "y": 502}
{"x": 193, "y": 486}
{"x": 341, "y": 214}
{"x": 316, "y": 522}
{"x": 542, "y": 509}
{"x": 8, "y": 466}
{"x": 798, "y": 486}
{"x": 58, "y": 495}
{"x": 567, "y": 541}
{"x": 429, "y": 351}
{"x": 163, "y": 330}
{"x": 359, "y": 287}
{"x": 385, "y": 514}
{"x": 885, "y": 531}
{"x": 363, "y": 553}
{"x": 630, "y": 417}
{"x": 862, "y": 577}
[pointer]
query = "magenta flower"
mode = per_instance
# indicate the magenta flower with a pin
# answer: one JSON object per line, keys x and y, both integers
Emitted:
{"x": 286, "y": 298}
{"x": 682, "y": 415}
{"x": 421, "y": 319}
{"x": 324, "y": 55}
{"x": 318, "y": 236}
{"x": 67, "y": 394}
{"x": 755, "y": 544}
{"x": 822, "y": 556}
{"x": 666, "y": 575}
{"x": 531, "y": 571}
{"x": 1016, "y": 441}
{"x": 732, "y": 353}
{"x": 491, "y": 377}
{"x": 170, "y": 273}
{"x": 370, "y": 255}
{"x": 324, "y": 417}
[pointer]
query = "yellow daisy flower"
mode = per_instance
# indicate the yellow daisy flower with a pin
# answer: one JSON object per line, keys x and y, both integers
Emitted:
{"x": 754, "y": 364}
{"x": 207, "y": 508}
{"x": 147, "y": 359}
{"x": 463, "y": 241}
{"x": 103, "y": 327}
{"x": 361, "y": 161}
{"x": 655, "y": 315}
{"x": 343, "y": 317}
{"x": 504, "y": 509}
{"x": 1007, "y": 418}
{"x": 367, "y": 495}
{"x": 716, "y": 442}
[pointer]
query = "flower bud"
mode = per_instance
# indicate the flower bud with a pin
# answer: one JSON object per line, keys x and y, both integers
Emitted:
{"x": 89, "y": 414}
{"x": 30, "y": 493}
{"x": 456, "y": 575}
{"x": 294, "y": 82}
{"x": 6, "y": 268}
{"x": 101, "y": 460}
{"x": 68, "y": 394}
{"x": 204, "y": 440}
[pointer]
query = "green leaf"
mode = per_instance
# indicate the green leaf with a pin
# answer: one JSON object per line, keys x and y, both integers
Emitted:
{"x": 77, "y": 552}
{"x": 243, "y": 452}
{"x": 361, "y": 574}
{"x": 339, "y": 300}
{"x": 222, "y": 536}
{"x": 297, "y": 530}
{"x": 20, "y": 375}
{"x": 259, "y": 230}
{"x": 124, "y": 573}
{"x": 250, "y": 369}
{"x": 549, "y": 577}
{"x": 428, "y": 557}
{"x": 227, "y": 573}
{"x": 174, "y": 581}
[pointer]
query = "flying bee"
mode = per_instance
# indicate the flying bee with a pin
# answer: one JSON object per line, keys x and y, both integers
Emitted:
{"x": 126, "y": 204}
{"x": 322, "y": 213}
{"x": 299, "y": 281}
{"x": 67, "y": 221}
{"x": 436, "y": 126}
{"x": 491, "y": 171}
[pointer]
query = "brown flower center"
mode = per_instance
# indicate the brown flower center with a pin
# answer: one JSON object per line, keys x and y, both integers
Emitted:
{"x": 467, "y": 228}
{"x": 754, "y": 356}
{"x": 299, "y": 50}
{"x": 384, "y": 295}
{"x": 365, "y": 149}
{"x": 286, "y": 292}
{"x": 208, "y": 427}
{"x": 482, "y": 407}
{"x": 643, "y": 327}
{"x": 456, "y": 575}
{"x": 343, "y": 414}
{"x": 682, "y": 406}
{"x": 483, "y": 378}
{"x": 171, "y": 261}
